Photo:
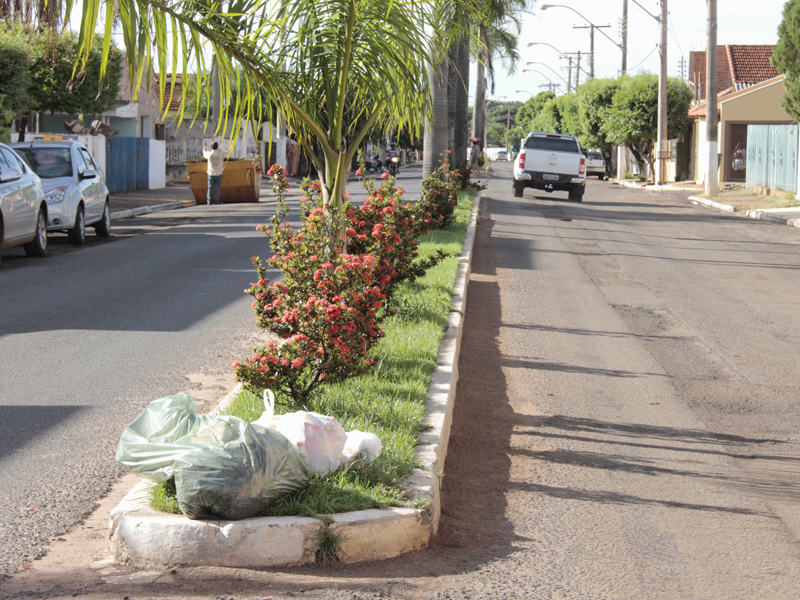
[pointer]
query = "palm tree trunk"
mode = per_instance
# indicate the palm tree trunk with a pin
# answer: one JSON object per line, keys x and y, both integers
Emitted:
{"x": 436, "y": 128}
{"x": 478, "y": 116}
{"x": 462, "y": 103}
{"x": 452, "y": 86}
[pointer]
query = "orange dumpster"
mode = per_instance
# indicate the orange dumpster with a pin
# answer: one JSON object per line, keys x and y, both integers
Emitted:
{"x": 241, "y": 181}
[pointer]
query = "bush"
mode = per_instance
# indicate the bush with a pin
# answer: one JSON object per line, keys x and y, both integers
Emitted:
{"x": 329, "y": 304}
{"x": 324, "y": 308}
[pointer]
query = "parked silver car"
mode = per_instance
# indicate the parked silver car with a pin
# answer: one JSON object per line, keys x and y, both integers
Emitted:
{"x": 23, "y": 208}
{"x": 595, "y": 164}
{"x": 76, "y": 190}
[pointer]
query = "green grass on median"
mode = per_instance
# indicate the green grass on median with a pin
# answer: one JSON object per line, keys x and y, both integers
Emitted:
{"x": 389, "y": 400}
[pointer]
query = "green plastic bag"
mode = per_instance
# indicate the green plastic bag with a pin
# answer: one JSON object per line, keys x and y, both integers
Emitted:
{"x": 224, "y": 467}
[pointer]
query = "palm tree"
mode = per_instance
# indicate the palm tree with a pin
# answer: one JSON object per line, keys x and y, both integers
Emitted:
{"x": 494, "y": 39}
{"x": 325, "y": 66}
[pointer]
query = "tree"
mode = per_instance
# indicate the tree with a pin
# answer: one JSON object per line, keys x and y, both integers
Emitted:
{"x": 632, "y": 119}
{"x": 594, "y": 99}
{"x": 325, "y": 65}
{"x": 786, "y": 57}
{"x": 532, "y": 107}
{"x": 14, "y": 77}
{"x": 496, "y": 31}
{"x": 55, "y": 88}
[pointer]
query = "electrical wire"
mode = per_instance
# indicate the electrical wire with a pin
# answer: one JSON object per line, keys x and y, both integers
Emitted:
{"x": 643, "y": 61}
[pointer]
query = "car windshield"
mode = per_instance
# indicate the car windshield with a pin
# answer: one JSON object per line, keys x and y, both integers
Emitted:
{"x": 553, "y": 144}
{"x": 596, "y": 155}
{"x": 48, "y": 163}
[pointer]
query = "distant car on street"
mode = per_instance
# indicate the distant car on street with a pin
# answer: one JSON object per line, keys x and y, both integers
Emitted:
{"x": 595, "y": 164}
{"x": 74, "y": 185}
{"x": 502, "y": 155}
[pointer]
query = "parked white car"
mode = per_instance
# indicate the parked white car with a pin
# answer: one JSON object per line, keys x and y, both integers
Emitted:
{"x": 75, "y": 187}
{"x": 23, "y": 208}
{"x": 595, "y": 164}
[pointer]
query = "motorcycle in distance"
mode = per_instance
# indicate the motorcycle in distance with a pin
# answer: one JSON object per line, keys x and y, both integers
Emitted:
{"x": 393, "y": 164}
{"x": 375, "y": 165}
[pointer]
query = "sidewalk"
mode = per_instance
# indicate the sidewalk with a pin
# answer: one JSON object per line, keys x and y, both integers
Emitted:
{"x": 130, "y": 204}
{"x": 780, "y": 216}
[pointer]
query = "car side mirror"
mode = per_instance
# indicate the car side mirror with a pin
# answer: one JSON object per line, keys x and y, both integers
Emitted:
{"x": 87, "y": 174}
{"x": 8, "y": 174}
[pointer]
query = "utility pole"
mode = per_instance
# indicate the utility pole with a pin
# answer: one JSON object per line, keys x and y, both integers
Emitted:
{"x": 624, "y": 37}
{"x": 661, "y": 152}
{"x": 591, "y": 27}
{"x": 569, "y": 74}
{"x": 550, "y": 86}
{"x": 577, "y": 69}
{"x": 621, "y": 151}
{"x": 712, "y": 172}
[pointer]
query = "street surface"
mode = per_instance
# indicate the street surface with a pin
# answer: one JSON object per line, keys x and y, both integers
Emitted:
{"x": 626, "y": 423}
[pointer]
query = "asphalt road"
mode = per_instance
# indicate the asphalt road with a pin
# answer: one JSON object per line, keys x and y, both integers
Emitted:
{"x": 90, "y": 334}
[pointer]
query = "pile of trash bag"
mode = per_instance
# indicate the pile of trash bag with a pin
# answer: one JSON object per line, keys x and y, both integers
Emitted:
{"x": 224, "y": 467}
{"x": 227, "y": 468}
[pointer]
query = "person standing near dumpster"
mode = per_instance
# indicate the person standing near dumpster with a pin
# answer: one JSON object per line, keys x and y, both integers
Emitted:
{"x": 293, "y": 155}
{"x": 215, "y": 166}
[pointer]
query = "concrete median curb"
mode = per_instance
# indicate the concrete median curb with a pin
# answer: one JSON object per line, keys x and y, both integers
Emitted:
{"x": 144, "y": 210}
{"x": 143, "y": 537}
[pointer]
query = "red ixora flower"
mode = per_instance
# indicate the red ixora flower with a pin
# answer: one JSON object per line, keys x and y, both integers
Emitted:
{"x": 385, "y": 176}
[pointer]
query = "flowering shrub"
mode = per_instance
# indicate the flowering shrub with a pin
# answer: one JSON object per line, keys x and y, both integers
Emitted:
{"x": 440, "y": 194}
{"x": 324, "y": 308}
{"x": 385, "y": 227}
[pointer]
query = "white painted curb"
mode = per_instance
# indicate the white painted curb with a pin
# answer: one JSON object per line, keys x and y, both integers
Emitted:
{"x": 143, "y": 537}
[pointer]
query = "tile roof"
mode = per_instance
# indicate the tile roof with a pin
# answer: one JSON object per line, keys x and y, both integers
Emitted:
{"x": 750, "y": 64}
{"x": 175, "y": 103}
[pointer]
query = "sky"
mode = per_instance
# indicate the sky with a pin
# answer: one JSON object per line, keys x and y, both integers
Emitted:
{"x": 739, "y": 22}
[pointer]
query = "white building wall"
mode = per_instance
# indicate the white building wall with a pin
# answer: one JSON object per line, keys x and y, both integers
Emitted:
{"x": 158, "y": 164}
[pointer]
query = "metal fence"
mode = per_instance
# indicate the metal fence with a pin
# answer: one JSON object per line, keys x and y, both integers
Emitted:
{"x": 772, "y": 156}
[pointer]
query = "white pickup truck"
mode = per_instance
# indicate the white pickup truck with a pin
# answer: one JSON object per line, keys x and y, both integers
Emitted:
{"x": 551, "y": 162}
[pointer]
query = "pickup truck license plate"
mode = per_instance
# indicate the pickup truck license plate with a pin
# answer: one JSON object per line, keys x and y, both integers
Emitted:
{"x": 550, "y": 176}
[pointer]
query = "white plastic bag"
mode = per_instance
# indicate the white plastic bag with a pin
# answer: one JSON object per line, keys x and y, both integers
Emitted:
{"x": 363, "y": 444}
{"x": 320, "y": 437}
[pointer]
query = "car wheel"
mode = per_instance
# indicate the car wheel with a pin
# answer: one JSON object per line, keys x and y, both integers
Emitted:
{"x": 77, "y": 235}
{"x": 38, "y": 246}
{"x": 518, "y": 192}
{"x": 575, "y": 196}
{"x": 103, "y": 227}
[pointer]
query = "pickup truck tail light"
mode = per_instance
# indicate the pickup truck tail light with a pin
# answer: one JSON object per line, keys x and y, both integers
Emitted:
{"x": 521, "y": 160}
{"x": 583, "y": 166}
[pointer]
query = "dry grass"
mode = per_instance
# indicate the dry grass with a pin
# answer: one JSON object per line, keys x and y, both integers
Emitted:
{"x": 743, "y": 199}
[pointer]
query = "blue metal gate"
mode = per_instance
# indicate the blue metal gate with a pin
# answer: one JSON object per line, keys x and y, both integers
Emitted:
{"x": 128, "y": 164}
{"x": 772, "y": 156}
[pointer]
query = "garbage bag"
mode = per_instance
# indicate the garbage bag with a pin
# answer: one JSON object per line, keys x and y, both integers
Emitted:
{"x": 320, "y": 437}
{"x": 224, "y": 467}
{"x": 361, "y": 444}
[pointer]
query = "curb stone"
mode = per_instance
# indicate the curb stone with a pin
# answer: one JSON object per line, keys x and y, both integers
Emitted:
{"x": 145, "y": 538}
{"x": 756, "y": 214}
{"x": 143, "y": 210}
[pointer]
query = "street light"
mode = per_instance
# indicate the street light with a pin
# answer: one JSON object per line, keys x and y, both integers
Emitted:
{"x": 592, "y": 27}
{"x": 556, "y": 49}
{"x": 536, "y": 62}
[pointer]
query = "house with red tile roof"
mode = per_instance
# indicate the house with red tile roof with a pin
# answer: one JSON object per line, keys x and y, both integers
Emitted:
{"x": 749, "y": 92}
{"x": 738, "y": 67}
